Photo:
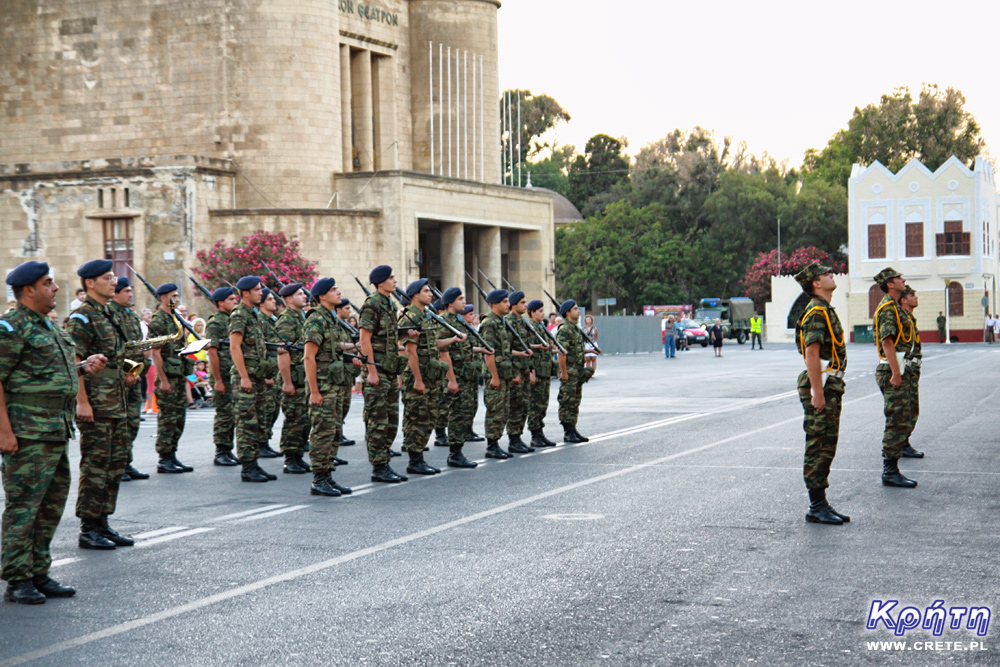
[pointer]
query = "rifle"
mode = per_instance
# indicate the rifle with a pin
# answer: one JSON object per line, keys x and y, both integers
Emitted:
{"x": 482, "y": 292}
{"x": 430, "y": 313}
{"x": 201, "y": 288}
{"x": 152, "y": 290}
{"x": 364, "y": 360}
{"x": 290, "y": 347}
{"x": 520, "y": 341}
{"x": 541, "y": 340}
{"x": 582, "y": 332}
{"x": 469, "y": 327}
{"x": 488, "y": 279}
{"x": 562, "y": 350}
{"x": 277, "y": 297}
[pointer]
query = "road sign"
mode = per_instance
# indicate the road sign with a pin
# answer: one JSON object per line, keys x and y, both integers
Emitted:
{"x": 607, "y": 302}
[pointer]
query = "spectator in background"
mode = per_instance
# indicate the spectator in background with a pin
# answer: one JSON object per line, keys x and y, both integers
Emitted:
{"x": 670, "y": 337}
{"x": 552, "y": 321}
{"x": 144, "y": 319}
{"x": 199, "y": 326}
{"x": 182, "y": 310}
{"x": 996, "y": 328}
{"x": 589, "y": 355}
{"x": 81, "y": 294}
{"x": 11, "y": 305}
{"x": 715, "y": 334}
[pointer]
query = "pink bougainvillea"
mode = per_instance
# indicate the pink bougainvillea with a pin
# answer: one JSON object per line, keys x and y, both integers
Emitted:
{"x": 248, "y": 256}
{"x": 758, "y": 277}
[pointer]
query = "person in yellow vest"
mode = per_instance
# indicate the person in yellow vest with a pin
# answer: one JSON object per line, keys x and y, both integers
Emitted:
{"x": 756, "y": 327}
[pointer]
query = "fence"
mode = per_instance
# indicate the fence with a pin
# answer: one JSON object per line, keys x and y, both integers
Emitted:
{"x": 633, "y": 334}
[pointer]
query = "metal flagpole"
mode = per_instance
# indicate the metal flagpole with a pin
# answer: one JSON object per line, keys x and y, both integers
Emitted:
{"x": 430, "y": 97}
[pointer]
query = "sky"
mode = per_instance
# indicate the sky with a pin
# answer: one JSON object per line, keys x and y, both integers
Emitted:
{"x": 781, "y": 76}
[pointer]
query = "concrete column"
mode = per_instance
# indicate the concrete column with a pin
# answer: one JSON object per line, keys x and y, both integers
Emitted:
{"x": 384, "y": 111}
{"x": 525, "y": 262}
{"x": 361, "y": 108}
{"x": 346, "y": 117}
{"x": 452, "y": 255}
{"x": 488, "y": 255}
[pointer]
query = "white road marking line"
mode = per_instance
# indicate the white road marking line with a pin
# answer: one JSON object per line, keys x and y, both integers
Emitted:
{"x": 156, "y": 533}
{"x": 359, "y": 493}
{"x": 237, "y": 515}
{"x": 172, "y": 536}
{"x": 273, "y": 513}
{"x": 63, "y": 561}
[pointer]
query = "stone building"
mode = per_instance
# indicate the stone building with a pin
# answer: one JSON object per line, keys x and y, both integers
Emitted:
{"x": 371, "y": 131}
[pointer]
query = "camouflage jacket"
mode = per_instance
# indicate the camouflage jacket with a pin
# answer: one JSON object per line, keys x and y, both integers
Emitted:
{"x": 95, "y": 331}
{"x": 569, "y": 337}
{"x": 250, "y": 323}
{"x": 415, "y": 318}
{"x": 163, "y": 324}
{"x": 460, "y": 351}
{"x": 322, "y": 329}
{"x": 217, "y": 330}
{"x": 915, "y": 351}
{"x": 814, "y": 328}
{"x": 891, "y": 321}
{"x": 39, "y": 376}
{"x": 522, "y": 364}
{"x": 290, "y": 328}
{"x": 542, "y": 361}
{"x": 379, "y": 317}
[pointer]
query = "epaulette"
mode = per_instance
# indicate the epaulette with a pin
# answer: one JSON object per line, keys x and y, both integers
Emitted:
{"x": 79, "y": 316}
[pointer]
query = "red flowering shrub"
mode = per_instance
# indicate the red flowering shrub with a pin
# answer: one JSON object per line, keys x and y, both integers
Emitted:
{"x": 758, "y": 277}
{"x": 247, "y": 257}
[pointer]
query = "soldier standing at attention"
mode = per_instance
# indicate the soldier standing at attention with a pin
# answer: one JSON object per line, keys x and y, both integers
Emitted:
{"x": 460, "y": 406}
{"x": 941, "y": 322}
{"x": 251, "y": 367}
{"x": 121, "y": 308}
{"x": 520, "y": 386}
{"x": 914, "y": 358}
{"x": 38, "y": 385}
{"x": 100, "y": 408}
{"x": 821, "y": 338}
{"x": 420, "y": 377}
{"x": 290, "y": 328}
{"x": 440, "y": 397}
{"x": 894, "y": 336}
{"x": 572, "y": 373}
{"x": 499, "y": 374}
{"x": 221, "y": 364}
{"x": 380, "y": 343}
{"x": 343, "y": 311}
{"x": 267, "y": 309}
{"x": 171, "y": 374}
{"x": 470, "y": 317}
{"x": 538, "y": 403}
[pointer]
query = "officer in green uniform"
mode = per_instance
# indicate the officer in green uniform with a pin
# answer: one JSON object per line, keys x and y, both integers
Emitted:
{"x": 572, "y": 373}
{"x": 469, "y": 315}
{"x": 343, "y": 311}
{"x": 221, "y": 364}
{"x": 820, "y": 338}
{"x": 272, "y": 403}
{"x": 499, "y": 373}
{"x": 171, "y": 376}
{"x": 290, "y": 328}
{"x": 538, "y": 403}
{"x": 122, "y": 308}
{"x": 460, "y": 406}
{"x": 251, "y": 369}
{"x": 100, "y": 408}
{"x": 38, "y": 385}
{"x": 894, "y": 338}
{"x": 942, "y": 321}
{"x": 380, "y": 343}
{"x": 909, "y": 301}
{"x": 520, "y": 387}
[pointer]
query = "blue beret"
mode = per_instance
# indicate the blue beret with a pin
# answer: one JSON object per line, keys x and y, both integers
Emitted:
{"x": 248, "y": 282}
{"x": 450, "y": 295}
{"x": 535, "y": 304}
{"x": 566, "y": 306}
{"x": 290, "y": 289}
{"x": 380, "y": 274}
{"x": 123, "y": 282}
{"x": 264, "y": 293}
{"x": 222, "y": 294}
{"x": 413, "y": 288}
{"x": 516, "y": 296}
{"x": 95, "y": 268}
{"x": 496, "y": 296}
{"x": 344, "y": 303}
{"x": 437, "y": 307}
{"x": 322, "y": 286}
{"x": 27, "y": 273}
{"x": 166, "y": 288}
{"x": 468, "y": 309}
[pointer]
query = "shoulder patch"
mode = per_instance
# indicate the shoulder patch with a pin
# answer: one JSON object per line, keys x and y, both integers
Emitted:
{"x": 4, "y": 324}
{"x": 79, "y": 316}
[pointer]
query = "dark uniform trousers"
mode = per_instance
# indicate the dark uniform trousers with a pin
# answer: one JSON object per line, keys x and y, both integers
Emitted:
{"x": 538, "y": 403}
{"x": 822, "y": 430}
{"x": 460, "y": 408}
{"x": 419, "y": 412}
{"x": 173, "y": 412}
{"x": 381, "y": 416}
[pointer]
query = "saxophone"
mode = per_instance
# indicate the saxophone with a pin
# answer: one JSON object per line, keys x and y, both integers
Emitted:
{"x": 135, "y": 346}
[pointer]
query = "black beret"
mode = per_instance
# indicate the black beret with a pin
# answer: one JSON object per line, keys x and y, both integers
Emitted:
{"x": 166, "y": 288}
{"x": 413, "y": 288}
{"x": 290, "y": 289}
{"x": 450, "y": 295}
{"x": 95, "y": 268}
{"x": 496, "y": 296}
{"x": 566, "y": 306}
{"x": 380, "y": 274}
{"x": 516, "y": 296}
{"x": 468, "y": 309}
{"x": 248, "y": 282}
{"x": 535, "y": 304}
{"x": 27, "y": 273}
{"x": 322, "y": 286}
{"x": 222, "y": 294}
{"x": 123, "y": 282}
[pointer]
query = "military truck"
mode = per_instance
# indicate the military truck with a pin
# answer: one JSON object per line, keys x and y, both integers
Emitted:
{"x": 734, "y": 314}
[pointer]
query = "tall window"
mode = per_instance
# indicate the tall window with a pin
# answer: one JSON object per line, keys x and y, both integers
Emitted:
{"x": 954, "y": 241}
{"x": 875, "y": 295}
{"x": 956, "y": 300}
{"x": 876, "y": 241}
{"x": 914, "y": 239}
{"x": 118, "y": 245}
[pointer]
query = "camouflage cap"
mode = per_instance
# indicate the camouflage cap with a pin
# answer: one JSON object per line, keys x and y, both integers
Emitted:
{"x": 886, "y": 274}
{"x": 811, "y": 273}
{"x": 908, "y": 290}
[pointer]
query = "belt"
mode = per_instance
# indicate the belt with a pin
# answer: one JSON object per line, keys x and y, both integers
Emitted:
{"x": 906, "y": 362}
{"x": 107, "y": 371}
{"x": 43, "y": 401}
{"x": 839, "y": 375}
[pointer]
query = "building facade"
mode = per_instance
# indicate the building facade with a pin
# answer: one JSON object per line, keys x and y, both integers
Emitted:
{"x": 370, "y": 131}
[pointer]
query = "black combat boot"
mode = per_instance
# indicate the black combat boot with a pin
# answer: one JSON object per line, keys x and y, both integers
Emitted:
{"x": 321, "y": 485}
{"x": 339, "y": 461}
{"x": 51, "y": 588}
{"x": 252, "y": 472}
{"x": 493, "y": 450}
{"x": 517, "y": 446}
{"x": 109, "y": 533}
{"x": 91, "y": 538}
{"x": 267, "y": 453}
{"x": 383, "y": 473}
{"x": 909, "y": 452}
{"x": 538, "y": 439}
{"x": 293, "y": 466}
{"x": 456, "y": 459}
{"x": 167, "y": 465}
{"x": 23, "y": 592}
{"x": 475, "y": 437}
{"x": 345, "y": 442}
{"x": 819, "y": 510}
{"x": 579, "y": 435}
{"x": 177, "y": 463}
{"x": 344, "y": 490}
{"x": 135, "y": 474}
{"x": 225, "y": 457}
{"x": 569, "y": 434}
{"x": 125, "y": 477}
{"x": 302, "y": 462}
{"x": 892, "y": 477}
{"x": 440, "y": 437}
{"x": 263, "y": 472}
{"x": 417, "y": 465}
{"x": 393, "y": 453}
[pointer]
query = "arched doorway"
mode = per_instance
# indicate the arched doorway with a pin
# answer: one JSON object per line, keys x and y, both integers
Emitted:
{"x": 797, "y": 310}
{"x": 956, "y": 299}
{"x": 875, "y": 295}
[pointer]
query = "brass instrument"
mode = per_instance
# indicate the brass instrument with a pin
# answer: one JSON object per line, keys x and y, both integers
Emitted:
{"x": 134, "y": 346}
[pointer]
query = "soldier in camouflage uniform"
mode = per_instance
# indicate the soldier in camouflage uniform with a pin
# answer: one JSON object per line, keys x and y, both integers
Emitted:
{"x": 100, "y": 408}
{"x": 251, "y": 369}
{"x": 221, "y": 364}
{"x": 499, "y": 372}
{"x": 538, "y": 403}
{"x": 820, "y": 338}
{"x": 121, "y": 306}
{"x": 171, "y": 376}
{"x": 343, "y": 311}
{"x": 439, "y": 397}
{"x": 469, "y": 315}
{"x": 894, "y": 339}
{"x": 290, "y": 328}
{"x": 272, "y": 396}
{"x": 909, "y": 301}
{"x": 325, "y": 372}
{"x": 524, "y": 366}
{"x": 572, "y": 372}
{"x": 39, "y": 385}
{"x": 460, "y": 407}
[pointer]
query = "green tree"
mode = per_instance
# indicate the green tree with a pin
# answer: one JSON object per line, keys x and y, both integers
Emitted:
{"x": 601, "y": 168}
{"x": 552, "y": 171}
{"x": 538, "y": 115}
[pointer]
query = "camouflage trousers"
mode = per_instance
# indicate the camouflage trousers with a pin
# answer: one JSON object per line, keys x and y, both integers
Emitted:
{"x": 570, "y": 394}
{"x": 902, "y": 405}
{"x": 822, "y": 430}
{"x": 133, "y": 408}
{"x": 103, "y": 456}
{"x": 419, "y": 412}
{"x": 497, "y": 408}
{"x": 295, "y": 428}
{"x": 173, "y": 412}
{"x": 327, "y": 423}
{"x": 35, "y": 484}
{"x": 381, "y": 416}
{"x": 520, "y": 397}
{"x": 439, "y": 410}
{"x": 538, "y": 403}
{"x": 224, "y": 425}
{"x": 250, "y": 406}
{"x": 460, "y": 410}
{"x": 272, "y": 408}
{"x": 345, "y": 402}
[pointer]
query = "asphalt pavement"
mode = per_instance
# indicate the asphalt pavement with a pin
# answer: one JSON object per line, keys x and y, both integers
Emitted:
{"x": 676, "y": 536}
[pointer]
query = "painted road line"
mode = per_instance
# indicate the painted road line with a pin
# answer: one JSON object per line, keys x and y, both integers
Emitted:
{"x": 283, "y": 510}
{"x": 237, "y": 515}
{"x": 63, "y": 561}
{"x": 172, "y": 536}
{"x": 157, "y": 533}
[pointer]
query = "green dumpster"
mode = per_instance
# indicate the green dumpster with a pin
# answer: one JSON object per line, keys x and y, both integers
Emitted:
{"x": 863, "y": 334}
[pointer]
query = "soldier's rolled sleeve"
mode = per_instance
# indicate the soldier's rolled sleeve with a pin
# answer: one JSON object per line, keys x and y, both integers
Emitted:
{"x": 314, "y": 331}
{"x": 238, "y": 322}
{"x": 814, "y": 329}
{"x": 11, "y": 345}
{"x": 887, "y": 326}
{"x": 369, "y": 318}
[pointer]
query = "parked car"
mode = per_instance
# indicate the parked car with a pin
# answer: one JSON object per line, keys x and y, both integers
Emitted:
{"x": 693, "y": 333}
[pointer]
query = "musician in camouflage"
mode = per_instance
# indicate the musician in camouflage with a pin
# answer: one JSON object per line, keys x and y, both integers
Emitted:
{"x": 122, "y": 308}
{"x": 908, "y": 302}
